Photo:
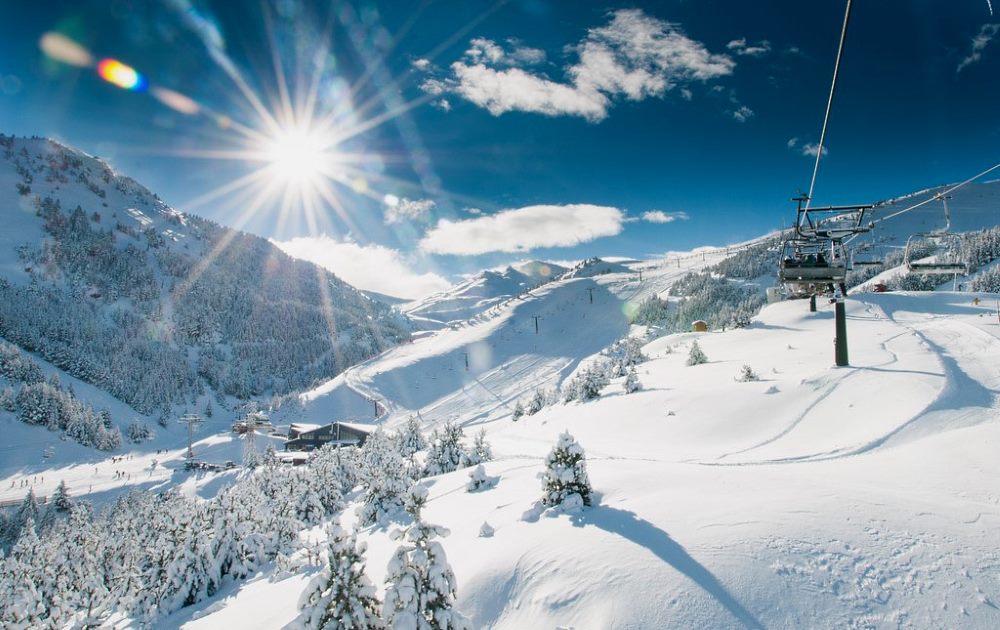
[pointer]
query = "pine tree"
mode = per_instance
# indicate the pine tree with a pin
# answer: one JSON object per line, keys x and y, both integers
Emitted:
{"x": 632, "y": 383}
{"x": 518, "y": 411}
{"x": 23, "y": 602}
{"x": 747, "y": 375}
{"x": 251, "y": 458}
{"x": 7, "y": 402}
{"x": 479, "y": 480}
{"x": 590, "y": 382}
{"x": 342, "y": 596}
{"x": 26, "y": 513}
{"x": 270, "y": 458}
{"x": 565, "y": 480}
{"x": 696, "y": 356}
{"x": 480, "y": 451}
{"x": 384, "y": 478}
{"x": 536, "y": 403}
{"x": 60, "y": 499}
{"x": 446, "y": 453}
{"x": 410, "y": 438}
{"x": 420, "y": 591}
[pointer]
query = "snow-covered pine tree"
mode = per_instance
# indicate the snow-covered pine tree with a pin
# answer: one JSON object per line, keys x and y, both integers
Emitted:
{"x": 591, "y": 381}
{"x": 26, "y": 513}
{"x": 7, "y": 402}
{"x": 480, "y": 451}
{"x": 410, "y": 438}
{"x": 747, "y": 375}
{"x": 137, "y": 431}
{"x": 22, "y": 604}
{"x": 518, "y": 411}
{"x": 565, "y": 480}
{"x": 341, "y": 597}
{"x": 270, "y": 457}
{"x": 237, "y": 548}
{"x": 326, "y": 475}
{"x": 632, "y": 383}
{"x": 60, "y": 498}
{"x": 696, "y": 356}
{"x": 479, "y": 480}
{"x": 536, "y": 402}
{"x": 446, "y": 453}
{"x": 420, "y": 584}
{"x": 384, "y": 478}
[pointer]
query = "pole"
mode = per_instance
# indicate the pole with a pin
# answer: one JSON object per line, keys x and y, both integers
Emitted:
{"x": 536, "y": 318}
{"x": 190, "y": 419}
{"x": 466, "y": 361}
{"x": 840, "y": 341}
{"x": 812, "y": 303}
{"x": 590, "y": 290}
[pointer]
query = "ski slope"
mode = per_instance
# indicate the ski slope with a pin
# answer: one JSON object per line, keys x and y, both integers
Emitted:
{"x": 475, "y": 370}
{"x": 816, "y": 497}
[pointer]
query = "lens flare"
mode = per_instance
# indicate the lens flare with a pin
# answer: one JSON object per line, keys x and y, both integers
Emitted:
{"x": 61, "y": 48}
{"x": 125, "y": 77}
{"x": 176, "y": 101}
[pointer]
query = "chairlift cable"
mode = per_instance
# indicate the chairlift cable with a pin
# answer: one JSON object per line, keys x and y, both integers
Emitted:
{"x": 941, "y": 194}
{"x": 829, "y": 103}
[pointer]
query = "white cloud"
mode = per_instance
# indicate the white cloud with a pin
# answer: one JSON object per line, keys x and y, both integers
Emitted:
{"x": 443, "y": 104}
{"x": 742, "y": 48}
{"x": 482, "y": 50}
{"x": 421, "y": 64}
{"x": 981, "y": 40}
{"x": 526, "y": 55}
{"x": 792, "y": 142}
{"x": 742, "y": 113}
{"x": 811, "y": 149}
{"x": 523, "y": 229}
{"x": 404, "y": 209}
{"x": 369, "y": 267}
{"x": 634, "y": 56}
{"x": 513, "y": 89}
{"x": 434, "y": 87}
{"x": 659, "y": 216}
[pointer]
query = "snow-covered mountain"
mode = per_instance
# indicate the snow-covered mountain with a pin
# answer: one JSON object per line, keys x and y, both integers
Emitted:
{"x": 162, "y": 309}
{"x": 479, "y": 293}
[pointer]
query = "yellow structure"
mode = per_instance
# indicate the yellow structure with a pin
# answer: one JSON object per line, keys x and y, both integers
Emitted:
{"x": 699, "y": 326}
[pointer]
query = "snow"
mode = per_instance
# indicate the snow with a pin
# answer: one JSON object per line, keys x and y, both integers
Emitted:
{"x": 858, "y": 496}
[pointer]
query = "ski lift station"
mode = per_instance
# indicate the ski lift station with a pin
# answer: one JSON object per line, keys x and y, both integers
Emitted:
{"x": 310, "y": 437}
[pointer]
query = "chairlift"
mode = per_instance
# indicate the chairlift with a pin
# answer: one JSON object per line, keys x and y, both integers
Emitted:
{"x": 811, "y": 266}
{"x": 945, "y": 256}
{"x": 867, "y": 255}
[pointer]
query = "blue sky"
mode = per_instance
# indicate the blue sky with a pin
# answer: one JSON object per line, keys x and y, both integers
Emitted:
{"x": 468, "y": 134}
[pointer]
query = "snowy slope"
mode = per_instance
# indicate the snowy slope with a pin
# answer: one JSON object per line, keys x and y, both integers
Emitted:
{"x": 507, "y": 360}
{"x": 817, "y": 497}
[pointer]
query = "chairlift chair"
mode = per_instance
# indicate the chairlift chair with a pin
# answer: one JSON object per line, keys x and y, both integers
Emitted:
{"x": 946, "y": 259}
{"x": 811, "y": 266}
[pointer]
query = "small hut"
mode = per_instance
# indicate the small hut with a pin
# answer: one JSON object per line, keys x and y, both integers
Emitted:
{"x": 699, "y": 325}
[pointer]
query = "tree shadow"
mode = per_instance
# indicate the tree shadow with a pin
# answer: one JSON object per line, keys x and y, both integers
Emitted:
{"x": 640, "y": 531}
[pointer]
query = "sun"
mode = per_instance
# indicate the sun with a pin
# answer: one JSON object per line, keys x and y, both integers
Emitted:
{"x": 299, "y": 155}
